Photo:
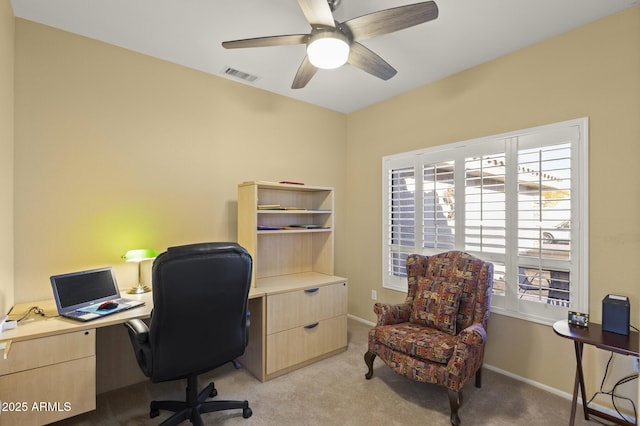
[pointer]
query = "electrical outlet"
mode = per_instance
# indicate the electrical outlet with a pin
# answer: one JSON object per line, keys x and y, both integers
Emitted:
{"x": 374, "y": 296}
{"x": 636, "y": 363}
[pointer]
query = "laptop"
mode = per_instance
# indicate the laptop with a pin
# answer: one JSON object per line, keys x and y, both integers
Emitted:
{"x": 88, "y": 295}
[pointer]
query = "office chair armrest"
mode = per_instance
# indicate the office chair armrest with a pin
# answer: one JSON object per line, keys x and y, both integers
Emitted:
{"x": 139, "y": 335}
{"x": 246, "y": 335}
{"x": 138, "y": 329}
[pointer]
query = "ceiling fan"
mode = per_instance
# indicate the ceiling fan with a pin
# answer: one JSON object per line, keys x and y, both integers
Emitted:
{"x": 331, "y": 44}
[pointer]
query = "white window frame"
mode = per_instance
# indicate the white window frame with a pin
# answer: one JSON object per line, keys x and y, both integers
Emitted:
{"x": 508, "y": 303}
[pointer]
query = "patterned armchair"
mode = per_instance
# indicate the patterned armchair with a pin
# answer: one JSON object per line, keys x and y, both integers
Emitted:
{"x": 438, "y": 334}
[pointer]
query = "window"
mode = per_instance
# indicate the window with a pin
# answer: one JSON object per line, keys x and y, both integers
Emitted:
{"x": 518, "y": 200}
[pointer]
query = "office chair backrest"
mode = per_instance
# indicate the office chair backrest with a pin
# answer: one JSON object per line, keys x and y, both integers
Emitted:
{"x": 199, "y": 319}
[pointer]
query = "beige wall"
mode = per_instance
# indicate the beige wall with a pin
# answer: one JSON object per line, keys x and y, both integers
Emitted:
{"x": 6, "y": 155}
{"x": 116, "y": 150}
{"x": 593, "y": 71}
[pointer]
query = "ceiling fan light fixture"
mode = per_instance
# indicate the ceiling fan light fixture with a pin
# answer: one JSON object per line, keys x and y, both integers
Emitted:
{"x": 328, "y": 50}
{"x": 331, "y": 44}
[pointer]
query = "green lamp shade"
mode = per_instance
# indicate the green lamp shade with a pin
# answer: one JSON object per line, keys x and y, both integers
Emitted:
{"x": 138, "y": 255}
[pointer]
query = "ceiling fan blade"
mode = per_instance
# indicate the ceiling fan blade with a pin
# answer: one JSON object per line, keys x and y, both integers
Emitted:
{"x": 304, "y": 74}
{"x": 266, "y": 41}
{"x": 317, "y": 12}
{"x": 368, "y": 61}
{"x": 390, "y": 20}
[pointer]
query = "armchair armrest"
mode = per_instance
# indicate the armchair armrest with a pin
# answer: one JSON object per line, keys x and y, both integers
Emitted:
{"x": 139, "y": 336}
{"x": 467, "y": 357}
{"x": 473, "y": 333}
{"x": 392, "y": 313}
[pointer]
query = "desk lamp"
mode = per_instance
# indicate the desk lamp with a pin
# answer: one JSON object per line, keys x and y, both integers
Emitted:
{"x": 138, "y": 256}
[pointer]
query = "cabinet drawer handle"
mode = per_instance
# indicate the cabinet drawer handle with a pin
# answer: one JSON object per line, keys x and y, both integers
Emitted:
{"x": 311, "y": 290}
{"x": 310, "y": 326}
{"x": 5, "y": 346}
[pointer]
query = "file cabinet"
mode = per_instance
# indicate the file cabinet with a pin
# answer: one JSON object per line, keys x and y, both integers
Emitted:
{"x": 47, "y": 379}
{"x": 304, "y": 325}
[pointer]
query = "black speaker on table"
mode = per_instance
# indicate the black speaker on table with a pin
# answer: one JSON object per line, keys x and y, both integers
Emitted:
{"x": 615, "y": 314}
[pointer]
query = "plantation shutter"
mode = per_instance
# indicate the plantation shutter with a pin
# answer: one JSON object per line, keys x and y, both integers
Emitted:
{"x": 438, "y": 212}
{"x": 402, "y": 219}
{"x": 518, "y": 200}
{"x": 544, "y": 217}
{"x": 485, "y": 204}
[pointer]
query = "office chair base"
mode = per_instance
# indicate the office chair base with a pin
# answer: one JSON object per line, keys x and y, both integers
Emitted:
{"x": 195, "y": 405}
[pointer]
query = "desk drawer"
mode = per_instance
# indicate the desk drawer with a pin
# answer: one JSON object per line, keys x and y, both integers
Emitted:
{"x": 290, "y": 347}
{"x": 47, "y": 394}
{"x": 297, "y": 308}
{"x": 28, "y": 354}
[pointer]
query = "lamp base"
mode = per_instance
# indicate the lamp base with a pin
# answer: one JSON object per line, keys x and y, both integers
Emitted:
{"x": 139, "y": 289}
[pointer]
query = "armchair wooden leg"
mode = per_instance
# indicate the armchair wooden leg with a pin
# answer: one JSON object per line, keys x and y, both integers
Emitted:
{"x": 455, "y": 401}
{"x": 368, "y": 359}
{"x": 479, "y": 377}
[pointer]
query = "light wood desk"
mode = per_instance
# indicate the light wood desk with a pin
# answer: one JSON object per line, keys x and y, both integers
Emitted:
{"x": 51, "y": 368}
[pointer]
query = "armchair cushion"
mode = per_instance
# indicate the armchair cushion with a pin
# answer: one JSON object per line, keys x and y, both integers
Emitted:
{"x": 436, "y": 304}
{"x": 416, "y": 341}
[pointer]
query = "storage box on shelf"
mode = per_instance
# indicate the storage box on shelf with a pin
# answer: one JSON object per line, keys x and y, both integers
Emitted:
{"x": 288, "y": 229}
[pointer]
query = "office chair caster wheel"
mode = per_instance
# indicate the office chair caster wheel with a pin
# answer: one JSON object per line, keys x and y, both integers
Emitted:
{"x": 246, "y": 412}
{"x": 213, "y": 392}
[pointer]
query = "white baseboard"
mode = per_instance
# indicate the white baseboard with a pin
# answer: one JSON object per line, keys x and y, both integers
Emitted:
{"x": 362, "y": 320}
{"x": 533, "y": 383}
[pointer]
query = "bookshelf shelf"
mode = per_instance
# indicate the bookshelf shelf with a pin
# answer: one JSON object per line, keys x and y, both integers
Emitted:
{"x": 286, "y": 240}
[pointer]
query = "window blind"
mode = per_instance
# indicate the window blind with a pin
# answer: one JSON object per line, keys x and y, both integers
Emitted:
{"x": 515, "y": 199}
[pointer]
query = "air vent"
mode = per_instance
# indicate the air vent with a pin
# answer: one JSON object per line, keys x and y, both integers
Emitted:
{"x": 240, "y": 74}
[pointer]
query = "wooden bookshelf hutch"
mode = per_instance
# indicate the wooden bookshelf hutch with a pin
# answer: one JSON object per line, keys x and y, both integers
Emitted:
{"x": 288, "y": 230}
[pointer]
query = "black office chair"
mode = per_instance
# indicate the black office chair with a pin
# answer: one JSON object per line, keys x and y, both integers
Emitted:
{"x": 199, "y": 322}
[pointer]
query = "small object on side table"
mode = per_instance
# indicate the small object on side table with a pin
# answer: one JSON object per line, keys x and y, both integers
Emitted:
{"x": 579, "y": 319}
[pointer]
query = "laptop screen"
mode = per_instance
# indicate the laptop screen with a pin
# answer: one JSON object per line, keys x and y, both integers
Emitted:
{"x": 79, "y": 289}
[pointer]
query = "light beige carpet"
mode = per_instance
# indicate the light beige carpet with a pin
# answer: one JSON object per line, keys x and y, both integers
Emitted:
{"x": 335, "y": 392}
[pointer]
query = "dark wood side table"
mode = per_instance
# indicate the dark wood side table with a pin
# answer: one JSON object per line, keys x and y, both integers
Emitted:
{"x": 594, "y": 335}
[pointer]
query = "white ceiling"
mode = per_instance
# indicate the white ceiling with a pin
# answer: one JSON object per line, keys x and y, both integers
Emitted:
{"x": 190, "y": 32}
